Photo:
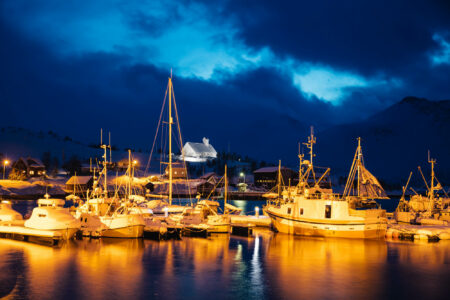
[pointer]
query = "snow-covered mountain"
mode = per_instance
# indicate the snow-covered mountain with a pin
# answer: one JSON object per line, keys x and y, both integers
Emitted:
{"x": 395, "y": 141}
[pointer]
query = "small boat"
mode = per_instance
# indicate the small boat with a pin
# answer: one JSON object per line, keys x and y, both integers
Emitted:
{"x": 51, "y": 215}
{"x": 8, "y": 214}
{"x": 205, "y": 215}
{"x": 312, "y": 209}
{"x": 106, "y": 216}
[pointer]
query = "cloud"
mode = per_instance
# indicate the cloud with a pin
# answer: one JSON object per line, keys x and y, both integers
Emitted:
{"x": 266, "y": 70}
{"x": 195, "y": 39}
{"x": 442, "y": 55}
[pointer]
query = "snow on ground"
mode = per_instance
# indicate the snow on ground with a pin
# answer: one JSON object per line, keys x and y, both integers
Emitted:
{"x": 27, "y": 188}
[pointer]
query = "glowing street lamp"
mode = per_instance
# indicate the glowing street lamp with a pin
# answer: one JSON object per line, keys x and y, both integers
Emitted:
{"x": 5, "y": 162}
{"x": 242, "y": 174}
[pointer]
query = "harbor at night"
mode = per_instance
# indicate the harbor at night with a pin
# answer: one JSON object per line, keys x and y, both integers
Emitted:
{"x": 224, "y": 150}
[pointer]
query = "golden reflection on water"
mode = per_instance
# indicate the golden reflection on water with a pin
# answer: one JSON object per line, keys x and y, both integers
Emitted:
{"x": 342, "y": 267}
{"x": 266, "y": 266}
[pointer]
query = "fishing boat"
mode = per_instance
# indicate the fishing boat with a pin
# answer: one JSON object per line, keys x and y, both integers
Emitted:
{"x": 433, "y": 208}
{"x": 312, "y": 209}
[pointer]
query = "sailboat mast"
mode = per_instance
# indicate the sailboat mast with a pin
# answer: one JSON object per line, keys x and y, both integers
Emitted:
{"x": 226, "y": 190}
{"x": 105, "y": 163}
{"x": 129, "y": 172}
{"x": 279, "y": 178}
{"x": 358, "y": 164}
{"x": 170, "y": 139}
{"x": 432, "y": 162}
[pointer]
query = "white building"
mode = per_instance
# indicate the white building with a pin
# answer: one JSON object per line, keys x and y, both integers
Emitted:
{"x": 198, "y": 152}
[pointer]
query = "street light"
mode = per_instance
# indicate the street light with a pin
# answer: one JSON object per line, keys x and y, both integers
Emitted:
{"x": 242, "y": 174}
{"x": 5, "y": 162}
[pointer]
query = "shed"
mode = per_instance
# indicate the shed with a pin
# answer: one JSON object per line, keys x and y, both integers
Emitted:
{"x": 79, "y": 184}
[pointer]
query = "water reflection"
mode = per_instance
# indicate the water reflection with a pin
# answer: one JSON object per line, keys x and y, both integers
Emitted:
{"x": 223, "y": 267}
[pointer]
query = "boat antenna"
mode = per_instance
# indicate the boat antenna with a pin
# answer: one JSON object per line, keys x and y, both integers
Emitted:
{"x": 300, "y": 158}
{"x": 110, "y": 154}
{"x": 311, "y": 141}
{"x": 310, "y": 145}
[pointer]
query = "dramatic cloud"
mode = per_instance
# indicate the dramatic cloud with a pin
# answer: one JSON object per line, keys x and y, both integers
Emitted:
{"x": 244, "y": 71}
{"x": 442, "y": 55}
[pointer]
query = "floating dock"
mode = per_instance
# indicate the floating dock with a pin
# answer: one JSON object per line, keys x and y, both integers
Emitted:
{"x": 418, "y": 232}
{"x": 30, "y": 235}
{"x": 258, "y": 221}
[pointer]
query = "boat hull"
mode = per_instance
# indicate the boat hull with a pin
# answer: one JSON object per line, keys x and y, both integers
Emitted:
{"x": 219, "y": 228}
{"x": 135, "y": 231}
{"x": 352, "y": 230}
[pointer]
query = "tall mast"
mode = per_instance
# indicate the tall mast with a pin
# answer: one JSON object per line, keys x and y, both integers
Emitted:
{"x": 226, "y": 190}
{"x": 105, "y": 162}
{"x": 129, "y": 172}
{"x": 279, "y": 178}
{"x": 358, "y": 163}
{"x": 432, "y": 162}
{"x": 170, "y": 138}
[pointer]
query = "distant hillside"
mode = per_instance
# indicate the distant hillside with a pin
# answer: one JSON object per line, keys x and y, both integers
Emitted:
{"x": 395, "y": 141}
{"x": 16, "y": 142}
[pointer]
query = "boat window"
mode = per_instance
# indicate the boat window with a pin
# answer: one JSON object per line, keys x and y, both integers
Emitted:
{"x": 42, "y": 215}
{"x": 301, "y": 211}
{"x": 289, "y": 210}
{"x": 328, "y": 211}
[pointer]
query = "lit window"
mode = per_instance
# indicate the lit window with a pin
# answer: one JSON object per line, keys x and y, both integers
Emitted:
{"x": 31, "y": 172}
{"x": 328, "y": 211}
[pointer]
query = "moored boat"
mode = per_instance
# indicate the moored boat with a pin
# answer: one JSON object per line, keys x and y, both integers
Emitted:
{"x": 312, "y": 209}
{"x": 51, "y": 215}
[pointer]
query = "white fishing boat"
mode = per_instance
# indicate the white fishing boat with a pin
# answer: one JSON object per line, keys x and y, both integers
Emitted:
{"x": 312, "y": 209}
{"x": 433, "y": 208}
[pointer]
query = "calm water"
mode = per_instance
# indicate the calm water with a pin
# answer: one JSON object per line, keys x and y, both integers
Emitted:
{"x": 268, "y": 266}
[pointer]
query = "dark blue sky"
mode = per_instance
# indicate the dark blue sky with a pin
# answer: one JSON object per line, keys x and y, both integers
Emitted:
{"x": 246, "y": 73}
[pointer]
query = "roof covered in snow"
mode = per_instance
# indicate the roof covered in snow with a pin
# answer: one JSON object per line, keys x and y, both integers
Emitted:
{"x": 79, "y": 180}
{"x": 204, "y": 149}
